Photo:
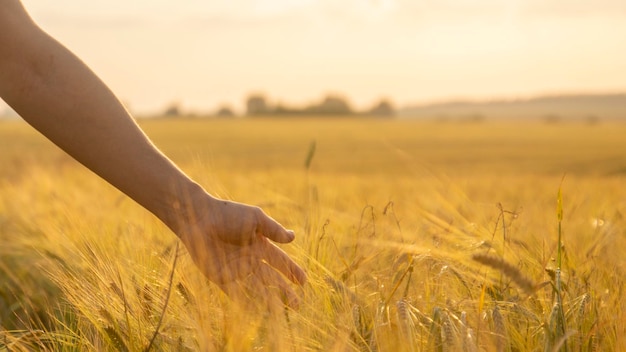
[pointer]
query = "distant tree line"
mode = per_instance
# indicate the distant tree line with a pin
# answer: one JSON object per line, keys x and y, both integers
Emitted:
{"x": 257, "y": 105}
{"x": 550, "y": 109}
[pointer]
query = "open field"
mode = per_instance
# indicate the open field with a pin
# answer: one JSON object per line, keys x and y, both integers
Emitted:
{"x": 416, "y": 236}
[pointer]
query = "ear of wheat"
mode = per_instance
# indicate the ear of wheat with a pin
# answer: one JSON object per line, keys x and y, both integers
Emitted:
{"x": 513, "y": 273}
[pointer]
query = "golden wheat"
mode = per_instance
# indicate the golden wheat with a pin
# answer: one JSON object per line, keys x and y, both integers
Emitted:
{"x": 385, "y": 213}
{"x": 512, "y": 272}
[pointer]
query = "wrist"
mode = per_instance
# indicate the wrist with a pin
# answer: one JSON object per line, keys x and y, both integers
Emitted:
{"x": 182, "y": 205}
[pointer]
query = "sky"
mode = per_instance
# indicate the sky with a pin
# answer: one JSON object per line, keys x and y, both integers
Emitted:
{"x": 202, "y": 54}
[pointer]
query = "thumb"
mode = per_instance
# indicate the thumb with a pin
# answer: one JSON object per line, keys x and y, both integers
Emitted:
{"x": 271, "y": 229}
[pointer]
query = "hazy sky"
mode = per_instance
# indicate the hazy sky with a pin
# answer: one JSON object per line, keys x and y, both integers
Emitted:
{"x": 204, "y": 53}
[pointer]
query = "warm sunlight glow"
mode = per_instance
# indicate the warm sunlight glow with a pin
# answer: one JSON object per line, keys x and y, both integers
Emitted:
{"x": 203, "y": 54}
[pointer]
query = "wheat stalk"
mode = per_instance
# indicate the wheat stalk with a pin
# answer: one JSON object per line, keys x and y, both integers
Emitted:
{"x": 435, "y": 331}
{"x": 500, "y": 329}
{"x": 449, "y": 335}
{"x": 512, "y": 272}
{"x": 469, "y": 343}
{"x": 406, "y": 322}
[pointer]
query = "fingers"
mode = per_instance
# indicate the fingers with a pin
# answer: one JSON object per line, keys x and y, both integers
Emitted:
{"x": 271, "y": 229}
{"x": 241, "y": 259}
{"x": 272, "y": 281}
{"x": 259, "y": 274}
{"x": 275, "y": 256}
{"x": 281, "y": 261}
{"x": 263, "y": 289}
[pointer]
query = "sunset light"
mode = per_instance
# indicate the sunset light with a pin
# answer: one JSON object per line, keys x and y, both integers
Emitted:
{"x": 203, "y": 54}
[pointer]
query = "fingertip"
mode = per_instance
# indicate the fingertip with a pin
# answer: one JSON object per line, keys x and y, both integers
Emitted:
{"x": 276, "y": 232}
{"x": 283, "y": 235}
{"x": 290, "y": 235}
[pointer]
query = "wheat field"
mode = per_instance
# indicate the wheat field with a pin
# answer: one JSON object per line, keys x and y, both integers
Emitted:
{"x": 416, "y": 236}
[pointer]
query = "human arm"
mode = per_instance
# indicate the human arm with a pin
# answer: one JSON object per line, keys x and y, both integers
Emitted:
{"x": 61, "y": 97}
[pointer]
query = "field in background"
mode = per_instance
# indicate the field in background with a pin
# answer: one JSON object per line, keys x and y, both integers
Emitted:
{"x": 389, "y": 215}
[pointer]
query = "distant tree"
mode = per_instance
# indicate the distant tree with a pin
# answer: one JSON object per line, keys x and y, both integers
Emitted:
{"x": 551, "y": 118}
{"x": 332, "y": 104}
{"x": 335, "y": 105}
{"x": 282, "y": 109}
{"x": 592, "y": 119}
{"x": 384, "y": 109}
{"x": 474, "y": 118}
{"x": 257, "y": 105}
{"x": 225, "y": 111}
{"x": 173, "y": 110}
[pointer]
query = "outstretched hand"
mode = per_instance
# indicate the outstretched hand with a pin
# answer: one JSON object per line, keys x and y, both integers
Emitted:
{"x": 55, "y": 92}
{"x": 230, "y": 244}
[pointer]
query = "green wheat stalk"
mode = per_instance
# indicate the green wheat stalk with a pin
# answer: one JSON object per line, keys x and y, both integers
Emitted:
{"x": 560, "y": 318}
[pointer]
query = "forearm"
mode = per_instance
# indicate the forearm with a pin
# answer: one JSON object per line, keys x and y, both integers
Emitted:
{"x": 59, "y": 95}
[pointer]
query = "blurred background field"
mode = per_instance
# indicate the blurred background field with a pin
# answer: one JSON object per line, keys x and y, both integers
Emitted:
{"x": 388, "y": 214}
{"x": 428, "y": 214}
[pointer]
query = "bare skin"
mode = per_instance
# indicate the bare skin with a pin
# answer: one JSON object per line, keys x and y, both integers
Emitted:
{"x": 57, "y": 94}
